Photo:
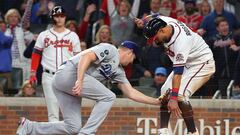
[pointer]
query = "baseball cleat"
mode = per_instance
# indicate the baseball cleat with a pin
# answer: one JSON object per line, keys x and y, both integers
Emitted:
{"x": 163, "y": 131}
{"x": 22, "y": 126}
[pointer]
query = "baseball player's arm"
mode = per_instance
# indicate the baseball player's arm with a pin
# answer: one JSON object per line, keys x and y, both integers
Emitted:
{"x": 87, "y": 57}
{"x": 36, "y": 57}
{"x": 176, "y": 82}
{"x": 137, "y": 96}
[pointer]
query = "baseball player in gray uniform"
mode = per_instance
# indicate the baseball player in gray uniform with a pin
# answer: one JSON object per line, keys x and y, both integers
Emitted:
{"x": 80, "y": 77}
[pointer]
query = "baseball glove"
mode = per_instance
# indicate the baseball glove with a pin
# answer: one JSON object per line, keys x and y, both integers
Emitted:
{"x": 165, "y": 97}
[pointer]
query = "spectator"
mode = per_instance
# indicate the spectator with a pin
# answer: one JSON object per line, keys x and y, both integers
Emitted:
{"x": 103, "y": 14}
{"x": 172, "y": 8}
{"x": 83, "y": 45}
{"x": 154, "y": 7}
{"x": 20, "y": 40}
{"x": 85, "y": 27}
{"x": 72, "y": 25}
{"x": 153, "y": 57}
{"x": 5, "y": 55}
{"x": 40, "y": 12}
{"x": 236, "y": 4}
{"x": 192, "y": 18}
{"x": 27, "y": 90}
{"x": 205, "y": 8}
{"x": 104, "y": 35}
{"x": 121, "y": 18}
{"x": 208, "y": 27}
{"x": 225, "y": 50}
{"x": 160, "y": 77}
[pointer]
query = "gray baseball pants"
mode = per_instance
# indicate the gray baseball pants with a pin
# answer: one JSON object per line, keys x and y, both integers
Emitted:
{"x": 70, "y": 105}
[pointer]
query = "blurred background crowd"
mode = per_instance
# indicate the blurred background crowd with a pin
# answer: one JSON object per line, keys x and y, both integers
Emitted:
{"x": 112, "y": 21}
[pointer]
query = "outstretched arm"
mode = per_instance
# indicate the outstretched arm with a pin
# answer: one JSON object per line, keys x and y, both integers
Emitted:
{"x": 137, "y": 96}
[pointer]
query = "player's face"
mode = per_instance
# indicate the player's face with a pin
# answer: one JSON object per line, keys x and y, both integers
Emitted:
{"x": 59, "y": 19}
{"x": 160, "y": 37}
{"x": 128, "y": 58}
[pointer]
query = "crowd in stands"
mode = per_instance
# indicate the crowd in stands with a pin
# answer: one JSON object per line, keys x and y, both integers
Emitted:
{"x": 112, "y": 21}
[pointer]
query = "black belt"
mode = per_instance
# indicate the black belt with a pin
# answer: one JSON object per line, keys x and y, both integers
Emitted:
{"x": 48, "y": 71}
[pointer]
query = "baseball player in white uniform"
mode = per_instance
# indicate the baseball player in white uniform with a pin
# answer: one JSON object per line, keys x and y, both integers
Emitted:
{"x": 53, "y": 47}
{"x": 193, "y": 65}
{"x": 80, "y": 77}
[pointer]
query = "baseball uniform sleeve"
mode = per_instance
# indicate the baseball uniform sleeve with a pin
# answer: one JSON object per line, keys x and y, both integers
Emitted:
{"x": 102, "y": 52}
{"x": 181, "y": 49}
{"x": 40, "y": 43}
{"x": 121, "y": 76}
{"x": 76, "y": 43}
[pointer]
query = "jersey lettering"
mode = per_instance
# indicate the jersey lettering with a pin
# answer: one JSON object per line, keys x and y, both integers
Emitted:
{"x": 106, "y": 71}
{"x": 184, "y": 28}
{"x": 59, "y": 43}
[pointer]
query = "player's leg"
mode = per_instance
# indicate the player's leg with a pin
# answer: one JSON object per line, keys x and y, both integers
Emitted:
{"x": 50, "y": 98}
{"x": 164, "y": 113}
{"x": 70, "y": 107}
{"x": 104, "y": 98}
{"x": 192, "y": 79}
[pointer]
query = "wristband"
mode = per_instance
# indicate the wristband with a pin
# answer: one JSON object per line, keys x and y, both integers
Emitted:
{"x": 174, "y": 93}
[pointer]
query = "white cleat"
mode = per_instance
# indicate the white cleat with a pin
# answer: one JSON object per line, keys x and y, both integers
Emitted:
{"x": 22, "y": 126}
{"x": 196, "y": 133}
{"x": 163, "y": 131}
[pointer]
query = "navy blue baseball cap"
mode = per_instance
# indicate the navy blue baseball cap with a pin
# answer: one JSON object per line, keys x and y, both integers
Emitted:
{"x": 151, "y": 28}
{"x": 131, "y": 45}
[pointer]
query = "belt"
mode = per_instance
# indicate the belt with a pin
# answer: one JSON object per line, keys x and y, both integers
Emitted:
{"x": 48, "y": 71}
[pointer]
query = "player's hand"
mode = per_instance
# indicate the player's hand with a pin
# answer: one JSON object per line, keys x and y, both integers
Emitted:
{"x": 33, "y": 78}
{"x": 77, "y": 88}
{"x": 139, "y": 22}
{"x": 174, "y": 108}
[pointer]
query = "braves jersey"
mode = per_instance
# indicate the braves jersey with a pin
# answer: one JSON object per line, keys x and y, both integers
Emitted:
{"x": 186, "y": 48}
{"x": 107, "y": 66}
{"x": 57, "y": 47}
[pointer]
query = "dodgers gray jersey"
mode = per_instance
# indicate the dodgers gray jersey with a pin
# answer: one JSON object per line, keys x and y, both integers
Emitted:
{"x": 107, "y": 66}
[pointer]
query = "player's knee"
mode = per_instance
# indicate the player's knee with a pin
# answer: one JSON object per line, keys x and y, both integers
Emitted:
{"x": 186, "y": 108}
{"x": 72, "y": 129}
{"x": 110, "y": 97}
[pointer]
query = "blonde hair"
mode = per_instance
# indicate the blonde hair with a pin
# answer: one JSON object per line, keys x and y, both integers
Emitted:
{"x": 69, "y": 22}
{"x": 27, "y": 82}
{"x": 99, "y": 31}
{"x": 10, "y": 12}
